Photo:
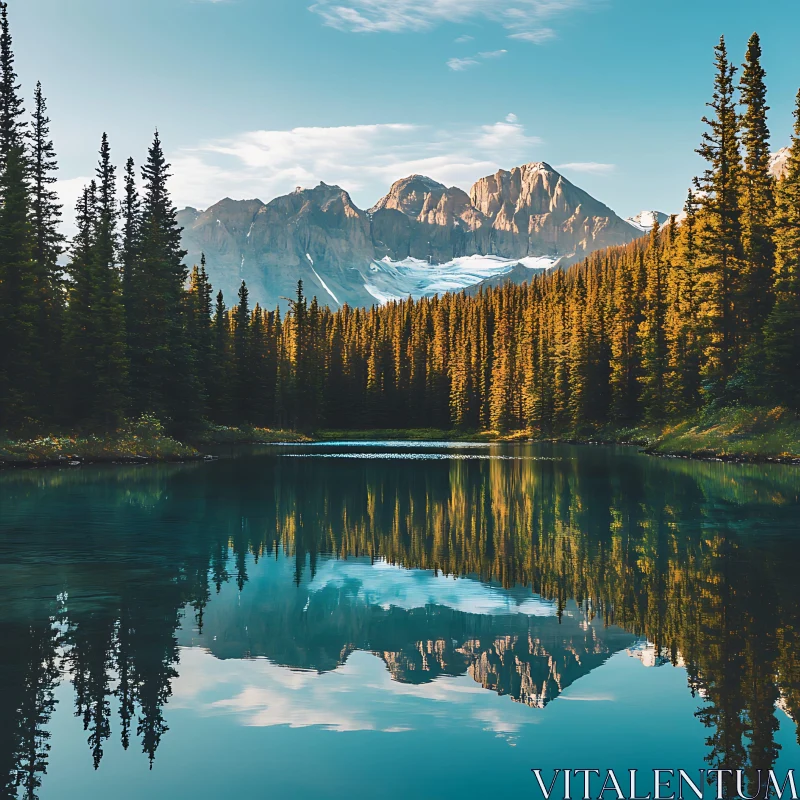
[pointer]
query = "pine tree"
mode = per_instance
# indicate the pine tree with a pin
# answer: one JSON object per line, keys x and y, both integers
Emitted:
{"x": 782, "y": 329}
{"x": 720, "y": 251}
{"x": 578, "y": 356}
{"x": 110, "y": 385}
{"x": 96, "y": 361}
{"x": 20, "y": 362}
{"x": 48, "y": 240}
{"x": 652, "y": 333}
{"x": 682, "y": 381}
{"x": 200, "y": 330}
{"x": 758, "y": 200}
{"x": 163, "y": 379}
{"x": 219, "y": 395}
{"x": 12, "y": 127}
{"x": 242, "y": 367}
{"x": 129, "y": 252}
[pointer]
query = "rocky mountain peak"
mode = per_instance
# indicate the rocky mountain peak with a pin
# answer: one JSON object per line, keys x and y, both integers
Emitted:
{"x": 530, "y": 213}
{"x": 645, "y": 220}
{"x": 778, "y": 162}
{"x": 534, "y": 210}
{"x": 411, "y": 196}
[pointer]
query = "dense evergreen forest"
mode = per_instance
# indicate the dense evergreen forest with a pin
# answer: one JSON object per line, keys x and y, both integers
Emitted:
{"x": 706, "y": 312}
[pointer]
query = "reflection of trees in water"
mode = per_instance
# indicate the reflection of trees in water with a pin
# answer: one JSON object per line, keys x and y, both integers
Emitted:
{"x": 669, "y": 551}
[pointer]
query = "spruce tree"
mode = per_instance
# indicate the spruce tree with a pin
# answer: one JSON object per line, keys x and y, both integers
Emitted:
{"x": 48, "y": 241}
{"x": 652, "y": 333}
{"x": 129, "y": 251}
{"x": 163, "y": 379}
{"x": 111, "y": 363}
{"x": 200, "y": 332}
{"x": 21, "y": 375}
{"x": 219, "y": 399}
{"x": 758, "y": 196}
{"x": 720, "y": 251}
{"x": 96, "y": 361}
{"x": 782, "y": 329}
{"x": 242, "y": 390}
{"x": 48, "y": 244}
{"x": 12, "y": 127}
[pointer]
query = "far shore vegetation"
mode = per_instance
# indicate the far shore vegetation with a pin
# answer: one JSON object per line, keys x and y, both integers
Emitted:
{"x": 738, "y": 433}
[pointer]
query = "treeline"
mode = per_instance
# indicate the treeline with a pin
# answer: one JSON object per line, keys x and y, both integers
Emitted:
{"x": 704, "y": 312}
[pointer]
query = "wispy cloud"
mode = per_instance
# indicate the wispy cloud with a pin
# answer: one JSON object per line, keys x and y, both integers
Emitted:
{"x": 460, "y": 64}
{"x": 523, "y": 19}
{"x": 464, "y": 39}
{"x": 592, "y": 167}
{"x": 364, "y": 159}
{"x": 539, "y": 36}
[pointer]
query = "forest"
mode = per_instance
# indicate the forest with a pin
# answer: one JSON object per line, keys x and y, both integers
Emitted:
{"x": 703, "y": 313}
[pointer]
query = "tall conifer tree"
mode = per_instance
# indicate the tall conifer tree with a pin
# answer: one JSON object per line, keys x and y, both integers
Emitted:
{"x": 758, "y": 195}
{"x": 20, "y": 364}
{"x": 720, "y": 251}
{"x": 782, "y": 330}
{"x": 163, "y": 378}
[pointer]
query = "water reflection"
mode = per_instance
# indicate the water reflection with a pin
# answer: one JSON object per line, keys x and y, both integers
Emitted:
{"x": 109, "y": 573}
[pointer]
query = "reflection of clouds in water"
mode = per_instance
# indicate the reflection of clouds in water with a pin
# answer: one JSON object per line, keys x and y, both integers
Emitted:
{"x": 386, "y": 585}
{"x": 360, "y": 695}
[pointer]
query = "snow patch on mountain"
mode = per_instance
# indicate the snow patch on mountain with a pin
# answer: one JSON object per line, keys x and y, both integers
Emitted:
{"x": 389, "y": 280}
{"x": 322, "y": 282}
{"x": 645, "y": 220}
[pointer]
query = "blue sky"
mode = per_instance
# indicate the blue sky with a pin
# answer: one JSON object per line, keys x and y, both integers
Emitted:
{"x": 255, "y": 97}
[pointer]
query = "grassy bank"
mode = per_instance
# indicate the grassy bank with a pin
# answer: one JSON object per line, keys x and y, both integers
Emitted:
{"x": 744, "y": 433}
{"x": 137, "y": 441}
{"x": 736, "y": 433}
{"x": 223, "y": 435}
{"x": 418, "y": 435}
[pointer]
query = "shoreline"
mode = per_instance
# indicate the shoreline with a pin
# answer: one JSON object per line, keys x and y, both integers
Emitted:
{"x": 735, "y": 435}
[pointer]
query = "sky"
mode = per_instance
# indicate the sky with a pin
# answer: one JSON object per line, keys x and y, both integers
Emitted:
{"x": 253, "y": 98}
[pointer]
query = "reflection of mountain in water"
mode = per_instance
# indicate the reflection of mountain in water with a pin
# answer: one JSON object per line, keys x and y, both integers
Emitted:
{"x": 531, "y": 655}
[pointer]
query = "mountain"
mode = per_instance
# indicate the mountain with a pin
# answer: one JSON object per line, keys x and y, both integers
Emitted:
{"x": 777, "y": 162}
{"x": 645, "y": 220}
{"x": 422, "y": 238}
{"x": 536, "y": 211}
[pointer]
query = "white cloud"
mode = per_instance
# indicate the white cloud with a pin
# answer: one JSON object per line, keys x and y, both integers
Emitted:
{"x": 538, "y": 36}
{"x": 463, "y": 39}
{"x": 460, "y": 64}
{"x": 363, "y": 159}
{"x": 592, "y": 167}
{"x": 523, "y": 20}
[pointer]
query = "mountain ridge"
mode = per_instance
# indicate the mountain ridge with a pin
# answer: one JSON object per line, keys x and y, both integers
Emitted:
{"x": 413, "y": 241}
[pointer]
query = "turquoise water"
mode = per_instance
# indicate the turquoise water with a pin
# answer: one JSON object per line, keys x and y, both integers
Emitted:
{"x": 380, "y": 620}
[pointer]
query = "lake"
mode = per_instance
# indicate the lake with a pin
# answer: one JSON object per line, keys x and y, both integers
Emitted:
{"x": 396, "y": 619}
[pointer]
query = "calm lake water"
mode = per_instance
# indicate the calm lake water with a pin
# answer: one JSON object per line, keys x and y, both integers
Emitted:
{"x": 394, "y": 620}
